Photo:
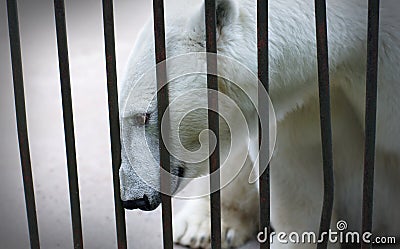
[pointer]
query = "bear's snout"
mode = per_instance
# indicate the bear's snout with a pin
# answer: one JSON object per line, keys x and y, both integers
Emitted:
{"x": 137, "y": 193}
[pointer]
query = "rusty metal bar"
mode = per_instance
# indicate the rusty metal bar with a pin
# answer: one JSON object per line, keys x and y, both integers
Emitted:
{"x": 370, "y": 117}
{"x": 163, "y": 102}
{"x": 213, "y": 121}
{"x": 113, "y": 114}
{"x": 263, "y": 76}
{"x": 15, "y": 45}
{"x": 325, "y": 117}
{"x": 62, "y": 45}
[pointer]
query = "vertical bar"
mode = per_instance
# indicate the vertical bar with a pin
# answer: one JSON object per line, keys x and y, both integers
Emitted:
{"x": 370, "y": 117}
{"x": 213, "y": 121}
{"x": 62, "y": 45}
{"x": 263, "y": 76}
{"x": 113, "y": 112}
{"x": 325, "y": 117}
{"x": 15, "y": 45}
{"x": 163, "y": 102}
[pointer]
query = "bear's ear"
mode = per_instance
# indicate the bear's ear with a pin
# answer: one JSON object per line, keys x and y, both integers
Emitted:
{"x": 227, "y": 12}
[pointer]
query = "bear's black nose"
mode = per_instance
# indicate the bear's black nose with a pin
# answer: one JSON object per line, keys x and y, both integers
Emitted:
{"x": 141, "y": 203}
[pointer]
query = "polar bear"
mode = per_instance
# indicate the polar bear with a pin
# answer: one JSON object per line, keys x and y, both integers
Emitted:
{"x": 296, "y": 172}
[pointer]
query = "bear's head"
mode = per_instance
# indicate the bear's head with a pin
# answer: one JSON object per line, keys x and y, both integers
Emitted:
{"x": 187, "y": 142}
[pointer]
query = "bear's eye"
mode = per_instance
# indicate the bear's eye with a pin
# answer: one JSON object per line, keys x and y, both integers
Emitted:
{"x": 143, "y": 118}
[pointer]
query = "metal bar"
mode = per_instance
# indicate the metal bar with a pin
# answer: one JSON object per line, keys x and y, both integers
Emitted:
{"x": 325, "y": 118}
{"x": 370, "y": 117}
{"x": 113, "y": 112}
{"x": 62, "y": 45}
{"x": 213, "y": 121}
{"x": 15, "y": 45}
{"x": 263, "y": 76}
{"x": 163, "y": 102}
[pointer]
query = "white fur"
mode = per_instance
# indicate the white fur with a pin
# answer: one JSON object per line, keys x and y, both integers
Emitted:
{"x": 296, "y": 167}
